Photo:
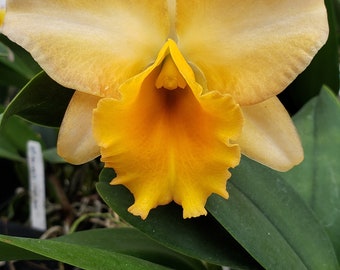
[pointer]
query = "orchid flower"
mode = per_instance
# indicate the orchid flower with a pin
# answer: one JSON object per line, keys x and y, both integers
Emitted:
{"x": 170, "y": 93}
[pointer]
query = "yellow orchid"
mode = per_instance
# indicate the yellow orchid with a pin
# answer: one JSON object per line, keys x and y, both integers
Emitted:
{"x": 170, "y": 93}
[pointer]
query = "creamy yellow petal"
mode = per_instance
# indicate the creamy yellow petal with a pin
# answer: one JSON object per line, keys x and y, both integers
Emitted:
{"x": 269, "y": 136}
{"x": 75, "y": 141}
{"x": 91, "y": 46}
{"x": 169, "y": 144}
{"x": 251, "y": 49}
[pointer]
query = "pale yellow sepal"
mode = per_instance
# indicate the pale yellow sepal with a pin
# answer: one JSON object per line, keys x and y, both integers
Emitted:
{"x": 269, "y": 136}
{"x": 75, "y": 140}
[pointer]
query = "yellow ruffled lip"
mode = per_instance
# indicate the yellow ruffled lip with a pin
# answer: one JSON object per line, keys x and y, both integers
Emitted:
{"x": 169, "y": 143}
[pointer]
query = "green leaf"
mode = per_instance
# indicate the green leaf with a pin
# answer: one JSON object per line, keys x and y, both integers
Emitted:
{"x": 78, "y": 253}
{"x": 271, "y": 221}
{"x": 131, "y": 242}
{"x": 9, "y": 77}
{"x": 263, "y": 213}
{"x": 126, "y": 241}
{"x": 51, "y": 156}
{"x": 19, "y": 132}
{"x": 4, "y": 50}
{"x": 201, "y": 238}
{"x": 18, "y": 63}
{"x": 9, "y": 251}
{"x": 13, "y": 139}
{"x": 8, "y": 151}
{"x": 317, "y": 179}
{"x": 41, "y": 101}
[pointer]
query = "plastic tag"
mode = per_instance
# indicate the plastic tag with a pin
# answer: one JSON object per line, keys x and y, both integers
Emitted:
{"x": 36, "y": 185}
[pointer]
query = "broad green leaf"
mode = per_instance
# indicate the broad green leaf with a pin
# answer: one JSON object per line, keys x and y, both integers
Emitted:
{"x": 18, "y": 62}
{"x": 4, "y": 50}
{"x": 19, "y": 132}
{"x": 9, "y": 77}
{"x": 131, "y": 242}
{"x": 13, "y": 139}
{"x": 336, "y": 4}
{"x": 42, "y": 101}
{"x": 51, "y": 156}
{"x": 263, "y": 213}
{"x": 271, "y": 221}
{"x": 201, "y": 238}
{"x": 85, "y": 257}
{"x": 126, "y": 241}
{"x": 8, "y": 151}
{"x": 323, "y": 70}
{"x": 317, "y": 179}
{"x": 9, "y": 251}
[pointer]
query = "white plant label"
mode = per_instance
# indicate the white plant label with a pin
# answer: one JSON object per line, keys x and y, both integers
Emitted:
{"x": 36, "y": 185}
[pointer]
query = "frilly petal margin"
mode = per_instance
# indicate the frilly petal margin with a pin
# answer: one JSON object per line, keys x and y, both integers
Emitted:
{"x": 91, "y": 46}
{"x": 75, "y": 140}
{"x": 269, "y": 136}
{"x": 251, "y": 49}
{"x": 169, "y": 144}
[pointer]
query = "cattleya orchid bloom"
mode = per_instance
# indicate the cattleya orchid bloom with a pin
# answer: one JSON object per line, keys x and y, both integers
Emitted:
{"x": 170, "y": 93}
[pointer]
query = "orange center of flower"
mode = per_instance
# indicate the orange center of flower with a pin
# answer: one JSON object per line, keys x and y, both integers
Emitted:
{"x": 167, "y": 141}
